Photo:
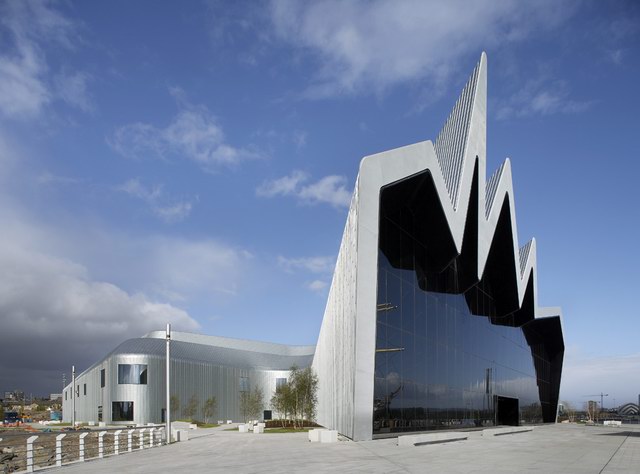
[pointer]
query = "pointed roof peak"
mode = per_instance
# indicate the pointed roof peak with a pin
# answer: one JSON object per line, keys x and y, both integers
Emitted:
{"x": 450, "y": 145}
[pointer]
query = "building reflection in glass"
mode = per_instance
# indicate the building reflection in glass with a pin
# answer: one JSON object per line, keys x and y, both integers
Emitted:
{"x": 440, "y": 365}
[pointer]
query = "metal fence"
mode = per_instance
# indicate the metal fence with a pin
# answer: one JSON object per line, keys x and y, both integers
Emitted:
{"x": 32, "y": 451}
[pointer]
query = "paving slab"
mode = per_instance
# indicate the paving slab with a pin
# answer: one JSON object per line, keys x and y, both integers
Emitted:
{"x": 548, "y": 449}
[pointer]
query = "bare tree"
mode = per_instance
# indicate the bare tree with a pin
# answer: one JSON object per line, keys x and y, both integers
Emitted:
{"x": 256, "y": 403}
{"x": 591, "y": 408}
{"x": 174, "y": 405}
{"x": 190, "y": 409}
{"x": 569, "y": 411}
{"x": 209, "y": 408}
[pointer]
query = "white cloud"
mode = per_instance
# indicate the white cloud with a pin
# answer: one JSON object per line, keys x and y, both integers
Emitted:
{"x": 310, "y": 264}
{"x": 193, "y": 133}
{"x": 589, "y": 375}
{"x": 168, "y": 210}
{"x": 174, "y": 212}
{"x": 284, "y": 186}
{"x": 363, "y": 46}
{"x": 331, "y": 189}
{"x": 540, "y": 97}
{"x": 318, "y": 286}
{"x": 47, "y": 178}
{"x": 25, "y": 88}
{"x": 72, "y": 89}
{"x": 190, "y": 268}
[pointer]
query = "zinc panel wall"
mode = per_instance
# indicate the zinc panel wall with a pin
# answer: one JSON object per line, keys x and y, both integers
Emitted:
{"x": 334, "y": 360}
{"x": 188, "y": 378}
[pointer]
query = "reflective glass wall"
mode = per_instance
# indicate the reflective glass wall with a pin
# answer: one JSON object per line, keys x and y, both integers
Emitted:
{"x": 439, "y": 365}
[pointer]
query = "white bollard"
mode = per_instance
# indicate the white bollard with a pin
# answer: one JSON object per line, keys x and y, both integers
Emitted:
{"x": 81, "y": 446}
{"x": 116, "y": 441}
{"x": 142, "y": 430}
{"x": 151, "y": 430}
{"x": 130, "y": 440}
{"x": 101, "y": 444}
{"x": 30, "y": 441}
{"x": 59, "y": 449}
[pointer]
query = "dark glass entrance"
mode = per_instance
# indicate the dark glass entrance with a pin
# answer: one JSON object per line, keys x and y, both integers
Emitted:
{"x": 507, "y": 411}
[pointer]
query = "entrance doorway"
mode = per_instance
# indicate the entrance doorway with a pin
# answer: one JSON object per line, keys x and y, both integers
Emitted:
{"x": 507, "y": 411}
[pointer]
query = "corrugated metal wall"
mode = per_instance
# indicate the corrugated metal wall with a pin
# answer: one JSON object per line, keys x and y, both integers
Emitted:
{"x": 188, "y": 378}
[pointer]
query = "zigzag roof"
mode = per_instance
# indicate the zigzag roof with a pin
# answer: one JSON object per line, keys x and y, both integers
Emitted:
{"x": 460, "y": 145}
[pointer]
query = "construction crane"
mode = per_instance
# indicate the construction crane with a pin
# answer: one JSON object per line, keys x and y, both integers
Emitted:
{"x": 601, "y": 395}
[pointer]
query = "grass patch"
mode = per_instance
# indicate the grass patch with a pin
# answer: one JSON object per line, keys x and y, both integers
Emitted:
{"x": 199, "y": 424}
{"x": 286, "y": 430}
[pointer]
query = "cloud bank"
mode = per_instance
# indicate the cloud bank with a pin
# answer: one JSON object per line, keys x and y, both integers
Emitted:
{"x": 331, "y": 189}
{"x": 362, "y": 46}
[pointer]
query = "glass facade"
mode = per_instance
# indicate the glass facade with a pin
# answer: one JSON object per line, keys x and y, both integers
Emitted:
{"x": 132, "y": 374}
{"x": 440, "y": 364}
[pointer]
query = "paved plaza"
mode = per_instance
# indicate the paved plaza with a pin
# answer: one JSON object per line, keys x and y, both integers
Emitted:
{"x": 549, "y": 449}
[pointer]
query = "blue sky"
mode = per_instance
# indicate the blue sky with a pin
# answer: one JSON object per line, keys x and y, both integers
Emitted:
{"x": 193, "y": 162}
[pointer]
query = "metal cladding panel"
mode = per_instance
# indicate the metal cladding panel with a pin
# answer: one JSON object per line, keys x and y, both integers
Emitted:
{"x": 334, "y": 360}
{"x": 197, "y": 370}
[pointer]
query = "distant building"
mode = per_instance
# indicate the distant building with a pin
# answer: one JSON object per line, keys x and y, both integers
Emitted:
{"x": 14, "y": 395}
{"x": 55, "y": 396}
{"x": 629, "y": 409}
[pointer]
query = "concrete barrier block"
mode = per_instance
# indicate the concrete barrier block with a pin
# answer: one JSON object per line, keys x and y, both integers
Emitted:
{"x": 220, "y": 422}
{"x": 430, "y": 438}
{"x": 314, "y": 435}
{"x": 92, "y": 423}
{"x": 243, "y": 428}
{"x": 193, "y": 426}
{"x": 102, "y": 424}
{"x": 328, "y": 436}
{"x": 182, "y": 435}
{"x": 229, "y": 422}
{"x": 258, "y": 429}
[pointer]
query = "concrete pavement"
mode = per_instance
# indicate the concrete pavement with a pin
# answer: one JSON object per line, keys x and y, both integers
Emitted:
{"x": 549, "y": 449}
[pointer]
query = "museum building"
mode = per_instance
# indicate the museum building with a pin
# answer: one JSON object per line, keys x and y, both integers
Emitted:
{"x": 431, "y": 321}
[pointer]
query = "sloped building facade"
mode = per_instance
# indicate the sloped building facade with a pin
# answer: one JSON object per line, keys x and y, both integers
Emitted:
{"x": 432, "y": 319}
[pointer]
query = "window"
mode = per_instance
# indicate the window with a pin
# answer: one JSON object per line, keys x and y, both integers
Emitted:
{"x": 65, "y": 394}
{"x": 85, "y": 389}
{"x": 132, "y": 374}
{"x": 77, "y": 391}
{"x": 122, "y": 411}
{"x": 244, "y": 384}
{"x": 99, "y": 412}
{"x": 102, "y": 378}
{"x": 281, "y": 383}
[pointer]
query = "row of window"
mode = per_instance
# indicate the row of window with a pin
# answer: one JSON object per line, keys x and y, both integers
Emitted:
{"x": 127, "y": 374}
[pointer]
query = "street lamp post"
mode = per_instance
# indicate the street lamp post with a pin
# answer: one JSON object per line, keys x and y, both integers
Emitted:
{"x": 168, "y": 401}
{"x": 73, "y": 396}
